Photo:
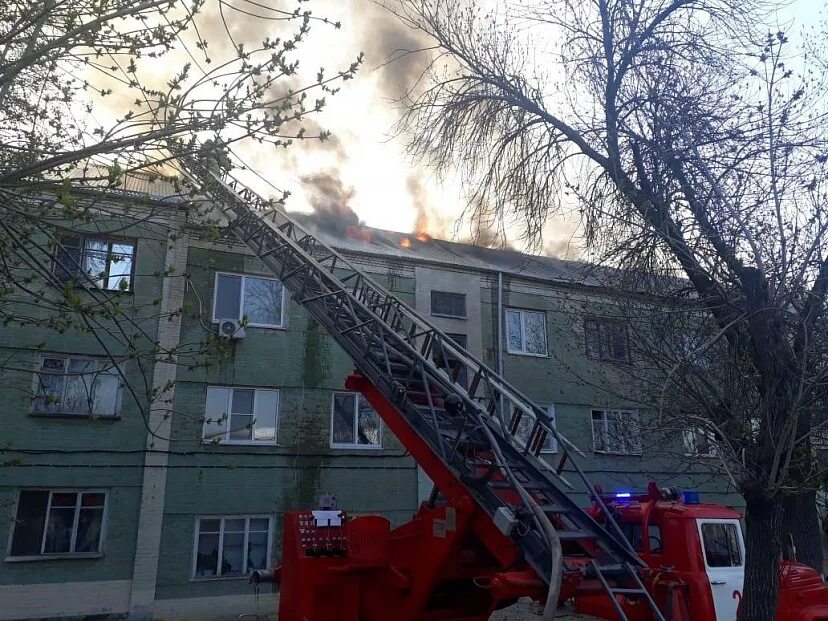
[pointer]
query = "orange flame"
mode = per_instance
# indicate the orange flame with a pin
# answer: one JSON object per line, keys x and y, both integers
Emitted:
{"x": 421, "y": 227}
{"x": 356, "y": 232}
{"x": 405, "y": 242}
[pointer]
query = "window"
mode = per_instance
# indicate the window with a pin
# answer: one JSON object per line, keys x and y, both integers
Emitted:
{"x": 354, "y": 423}
{"x": 231, "y": 546}
{"x": 633, "y": 533}
{"x": 241, "y": 415}
{"x": 606, "y": 339}
{"x": 721, "y": 545}
{"x": 259, "y": 301}
{"x": 526, "y": 423}
{"x": 699, "y": 442}
{"x": 108, "y": 263}
{"x": 77, "y": 386}
{"x": 526, "y": 332}
{"x": 445, "y": 304}
{"x": 616, "y": 432}
{"x": 58, "y": 522}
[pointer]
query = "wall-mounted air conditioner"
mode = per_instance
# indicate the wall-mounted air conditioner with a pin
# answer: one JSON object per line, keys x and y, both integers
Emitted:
{"x": 231, "y": 329}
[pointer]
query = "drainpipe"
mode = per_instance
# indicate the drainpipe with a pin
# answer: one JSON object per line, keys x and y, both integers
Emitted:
{"x": 500, "y": 324}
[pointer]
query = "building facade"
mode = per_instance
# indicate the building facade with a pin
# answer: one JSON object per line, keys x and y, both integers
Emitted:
{"x": 157, "y": 503}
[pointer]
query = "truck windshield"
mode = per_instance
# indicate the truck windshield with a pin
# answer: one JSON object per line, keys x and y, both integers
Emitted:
{"x": 633, "y": 532}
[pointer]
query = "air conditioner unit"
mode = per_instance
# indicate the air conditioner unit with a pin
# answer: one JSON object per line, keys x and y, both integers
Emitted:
{"x": 231, "y": 329}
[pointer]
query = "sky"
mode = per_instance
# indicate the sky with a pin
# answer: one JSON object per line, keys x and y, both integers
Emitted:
{"x": 364, "y": 171}
{"x": 366, "y": 166}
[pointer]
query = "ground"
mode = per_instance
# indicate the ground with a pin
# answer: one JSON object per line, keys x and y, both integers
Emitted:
{"x": 528, "y": 611}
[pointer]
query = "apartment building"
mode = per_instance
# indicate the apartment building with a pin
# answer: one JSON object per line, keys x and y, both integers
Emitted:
{"x": 157, "y": 503}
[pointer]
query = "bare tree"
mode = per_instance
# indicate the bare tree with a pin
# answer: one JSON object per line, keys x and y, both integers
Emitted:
{"x": 691, "y": 150}
{"x": 98, "y": 98}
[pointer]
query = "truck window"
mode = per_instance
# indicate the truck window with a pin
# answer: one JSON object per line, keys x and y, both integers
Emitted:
{"x": 632, "y": 531}
{"x": 721, "y": 545}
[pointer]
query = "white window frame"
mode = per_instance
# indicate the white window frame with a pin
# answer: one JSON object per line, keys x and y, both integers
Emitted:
{"x": 353, "y": 446}
{"x": 222, "y": 518}
{"x": 280, "y": 326}
{"x": 633, "y": 414}
{"x": 46, "y": 556}
{"x": 450, "y": 293}
{"x": 689, "y": 433}
{"x": 114, "y": 370}
{"x": 253, "y": 442}
{"x": 522, "y": 312}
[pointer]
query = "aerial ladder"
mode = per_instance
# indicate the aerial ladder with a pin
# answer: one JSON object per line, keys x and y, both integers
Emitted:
{"x": 470, "y": 439}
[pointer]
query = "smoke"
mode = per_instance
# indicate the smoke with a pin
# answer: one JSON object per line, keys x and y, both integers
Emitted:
{"x": 395, "y": 51}
{"x": 330, "y": 200}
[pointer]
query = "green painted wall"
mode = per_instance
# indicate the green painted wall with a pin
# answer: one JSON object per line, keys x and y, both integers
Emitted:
{"x": 80, "y": 452}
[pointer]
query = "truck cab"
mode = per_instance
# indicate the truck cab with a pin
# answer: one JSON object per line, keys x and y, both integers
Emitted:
{"x": 696, "y": 555}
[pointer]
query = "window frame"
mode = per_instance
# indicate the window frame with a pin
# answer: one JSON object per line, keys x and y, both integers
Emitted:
{"x": 222, "y": 518}
{"x": 83, "y": 282}
{"x": 632, "y": 413}
{"x": 43, "y": 556}
{"x": 452, "y": 294}
{"x": 252, "y": 442}
{"x": 353, "y": 446}
{"x": 282, "y": 318}
{"x": 115, "y": 371}
{"x": 522, "y": 313}
{"x": 606, "y": 321}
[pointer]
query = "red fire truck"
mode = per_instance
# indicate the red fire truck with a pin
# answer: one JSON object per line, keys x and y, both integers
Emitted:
{"x": 505, "y": 523}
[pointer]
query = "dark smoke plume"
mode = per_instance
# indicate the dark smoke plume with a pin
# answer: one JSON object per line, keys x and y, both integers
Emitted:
{"x": 330, "y": 201}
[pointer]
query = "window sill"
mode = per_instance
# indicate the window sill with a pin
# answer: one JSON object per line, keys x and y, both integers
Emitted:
{"x": 270, "y": 443}
{"x": 356, "y": 447}
{"x": 443, "y": 315}
{"x": 616, "y": 454}
{"x": 218, "y": 578}
{"x": 65, "y": 415}
{"x": 257, "y": 326}
{"x": 52, "y": 557}
{"x": 610, "y": 360}
{"x": 526, "y": 353}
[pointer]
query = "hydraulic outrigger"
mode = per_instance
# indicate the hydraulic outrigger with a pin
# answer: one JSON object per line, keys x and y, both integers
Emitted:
{"x": 503, "y": 526}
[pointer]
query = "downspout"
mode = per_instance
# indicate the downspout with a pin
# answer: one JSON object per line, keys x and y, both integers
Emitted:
{"x": 500, "y": 324}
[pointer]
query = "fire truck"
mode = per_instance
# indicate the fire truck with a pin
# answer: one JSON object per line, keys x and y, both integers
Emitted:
{"x": 502, "y": 523}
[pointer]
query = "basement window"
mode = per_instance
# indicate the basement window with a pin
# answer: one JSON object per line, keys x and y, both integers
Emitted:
{"x": 95, "y": 261}
{"x": 258, "y": 300}
{"x": 354, "y": 423}
{"x": 58, "y": 523}
{"x": 233, "y": 546}
{"x": 77, "y": 386}
{"x": 616, "y": 432}
{"x": 448, "y": 304}
{"x": 240, "y": 415}
{"x": 526, "y": 332}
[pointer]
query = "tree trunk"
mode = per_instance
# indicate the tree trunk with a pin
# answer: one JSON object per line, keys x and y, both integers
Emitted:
{"x": 763, "y": 519}
{"x": 800, "y": 519}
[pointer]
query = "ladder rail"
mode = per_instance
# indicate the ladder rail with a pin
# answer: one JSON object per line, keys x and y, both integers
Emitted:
{"x": 288, "y": 249}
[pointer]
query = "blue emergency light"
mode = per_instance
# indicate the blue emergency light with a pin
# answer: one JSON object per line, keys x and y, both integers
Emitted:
{"x": 691, "y": 497}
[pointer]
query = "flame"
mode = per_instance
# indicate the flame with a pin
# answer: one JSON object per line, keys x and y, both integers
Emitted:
{"x": 421, "y": 227}
{"x": 405, "y": 242}
{"x": 357, "y": 232}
